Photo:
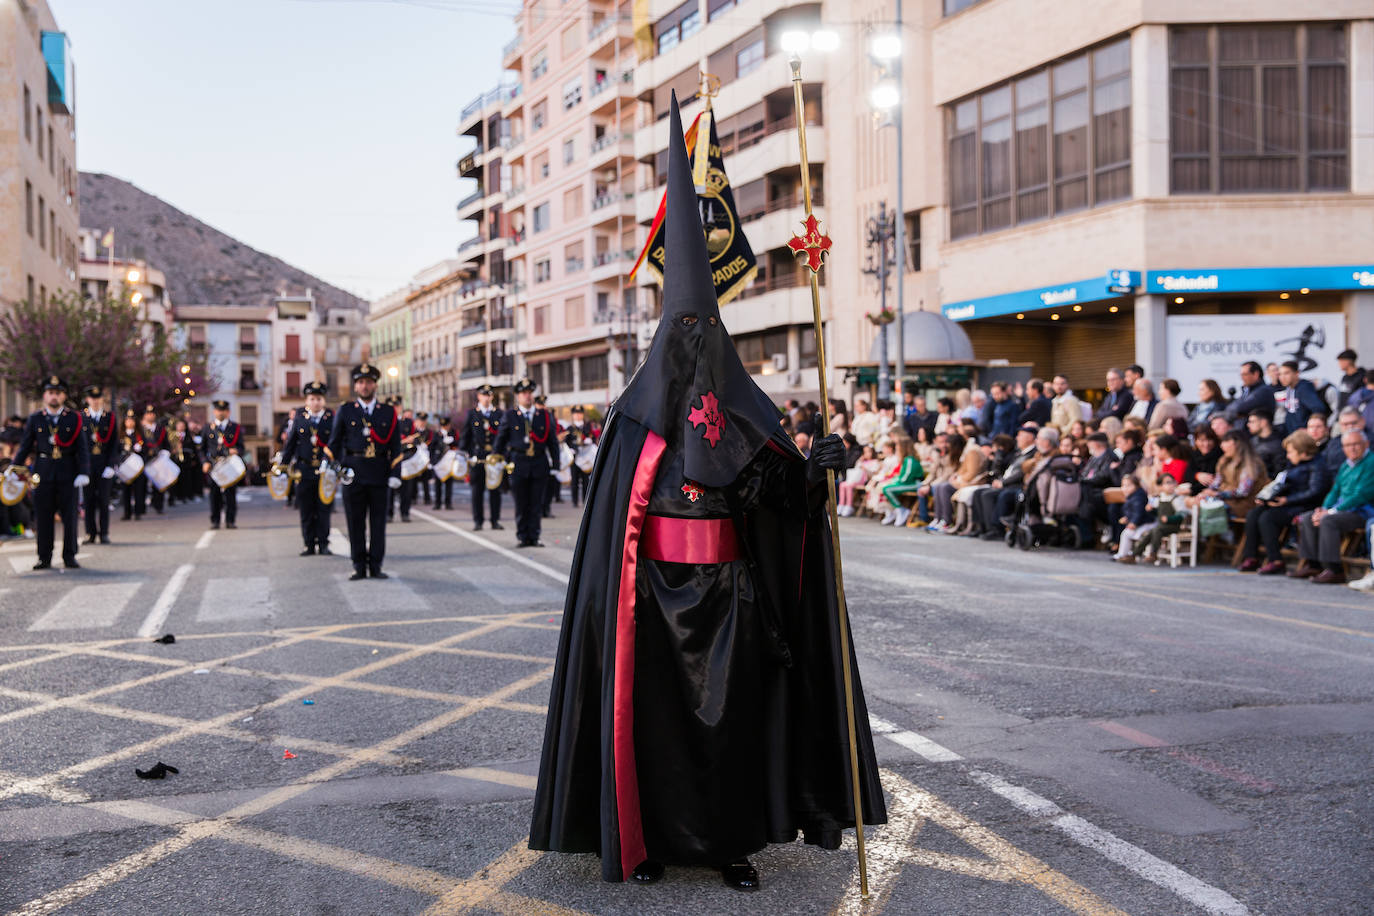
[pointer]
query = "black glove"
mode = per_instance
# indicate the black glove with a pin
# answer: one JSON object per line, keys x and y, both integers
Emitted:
{"x": 826, "y": 452}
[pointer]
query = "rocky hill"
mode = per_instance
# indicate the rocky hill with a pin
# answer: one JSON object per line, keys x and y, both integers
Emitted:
{"x": 203, "y": 265}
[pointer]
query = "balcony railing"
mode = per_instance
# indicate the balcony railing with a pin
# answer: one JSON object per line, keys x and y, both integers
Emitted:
{"x": 469, "y": 329}
{"x": 512, "y": 46}
{"x": 473, "y": 372}
{"x": 600, "y": 28}
{"x": 604, "y": 141}
{"x": 471, "y": 199}
{"x": 783, "y": 202}
{"x": 491, "y": 98}
{"x": 608, "y": 198}
{"x": 789, "y": 280}
{"x": 470, "y": 243}
{"x": 573, "y": 265}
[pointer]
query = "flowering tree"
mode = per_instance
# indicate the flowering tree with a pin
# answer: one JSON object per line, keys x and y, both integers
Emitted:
{"x": 174, "y": 376}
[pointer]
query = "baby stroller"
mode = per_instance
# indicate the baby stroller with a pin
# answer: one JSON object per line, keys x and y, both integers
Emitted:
{"x": 1047, "y": 510}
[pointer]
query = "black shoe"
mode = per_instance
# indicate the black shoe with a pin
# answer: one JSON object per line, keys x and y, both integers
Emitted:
{"x": 104, "y": 539}
{"x": 358, "y": 574}
{"x": 647, "y": 872}
{"x": 522, "y": 544}
{"x": 378, "y": 574}
{"x": 90, "y": 539}
{"x": 71, "y": 564}
{"x": 325, "y": 551}
{"x": 308, "y": 552}
{"x": 230, "y": 525}
{"x": 740, "y": 875}
{"x": 534, "y": 543}
{"x": 43, "y": 564}
{"x": 548, "y": 515}
{"x": 497, "y": 526}
{"x": 214, "y": 525}
{"x": 477, "y": 526}
{"x": 126, "y": 517}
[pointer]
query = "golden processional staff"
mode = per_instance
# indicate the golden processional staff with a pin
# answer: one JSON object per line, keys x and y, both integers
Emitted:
{"x": 814, "y": 245}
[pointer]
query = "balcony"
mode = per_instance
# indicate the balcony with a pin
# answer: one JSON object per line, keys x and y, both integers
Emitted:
{"x": 468, "y": 330}
{"x": 470, "y": 204}
{"x": 468, "y": 164}
{"x": 470, "y": 243}
{"x": 510, "y": 54}
{"x": 473, "y": 372}
{"x": 573, "y": 265}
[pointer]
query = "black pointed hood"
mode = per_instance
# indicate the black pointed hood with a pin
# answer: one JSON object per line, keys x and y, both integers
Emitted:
{"x": 692, "y": 388}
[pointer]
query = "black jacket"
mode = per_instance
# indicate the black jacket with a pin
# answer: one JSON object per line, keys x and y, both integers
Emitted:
{"x": 103, "y": 438}
{"x": 1126, "y": 466}
{"x": 517, "y": 438}
{"x": 217, "y": 444}
{"x": 61, "y": 449}
{"x": 1257, "y": 397}
{"x": 1097, "y": 473}
{"x": 306, "y": 439}
{"x": 1305, "y": 484}
{"x": 479, "y": 432}
{"x": 350, "y": 435}
{"x": 1037, "y": 411}
{"x": 1116, "y": 404}
{"x": 1270, "y": 450}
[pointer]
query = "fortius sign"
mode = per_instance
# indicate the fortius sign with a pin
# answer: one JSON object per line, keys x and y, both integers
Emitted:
{"x": 1214, "y": 346}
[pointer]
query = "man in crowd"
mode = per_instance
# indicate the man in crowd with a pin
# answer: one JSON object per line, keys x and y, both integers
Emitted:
{"x": 366, "y": 438}
{"x": 1118, "y": 400}
{"x": 1348, "y": 506}
{"x": 1254, "y": 394}
{"x": 1130, "y": 375}
{"x": 918, "y": 417}
{"x": 153, "y": 432}
{"x": 1352, "y": 378}
{"x": 1095, "y": 476}
{"x": 222, "y": 439}
{"x": 1065, "y": 409}
{"x": 1267, "y": 443}
{"x": 1143, "y": 399}
{"x": 480, "y": 428}
{"x": 55, "y": 437}
{"x": 997, "y": 501}
{"x": 999, "y": 414}
{"x": 528, "y": 438}
{"x": 1298, "y": 397}
{"x": 1333, "y": 453}
{"x": 864, "y": 426}
{"x": 978, "y": 399}
{"x": 306, "y": 437}
{"x": 1039, "y": 407}
{"x": 102, "y": 428}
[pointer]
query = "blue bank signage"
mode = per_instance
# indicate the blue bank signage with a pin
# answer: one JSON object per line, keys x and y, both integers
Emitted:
{"x": 1259, "y": 279}
{"x": 1115, "y": 283}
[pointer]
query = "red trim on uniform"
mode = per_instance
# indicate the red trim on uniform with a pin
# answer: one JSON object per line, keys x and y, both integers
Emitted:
{"x": 372, "y": 430}
{"x": 238, "y": 431}
{"x": 108, "y": 436}
{"x": 160, "y": 439}
{"x": 548, "y": 425}
{"x": 68, "y": 444}
{"x": 628, "y": 816}
{"x": 689, "y": 540}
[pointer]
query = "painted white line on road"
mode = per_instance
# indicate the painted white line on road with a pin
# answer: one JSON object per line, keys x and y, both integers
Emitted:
{"x": 240, "y": 598}
{"x": 87, "y": 606}
{"x": 1151, "y": 868}
{"x": 170, "y": 592}
{"x": 917, "y": 744}
{"x": 337, "y": 535}
{"x": 1028, "y": 801}
{"x": 526, "y": 594}
{"x": 497, "y": 548}
{"x": 205, "y": 539}
{"x": 21, "y": 564}
{"x": 368, "y": 596}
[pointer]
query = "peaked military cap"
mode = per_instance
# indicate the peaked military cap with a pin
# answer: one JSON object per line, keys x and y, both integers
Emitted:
{"x": 149, "y": 408}
{"x": 95, "y": 391}
{"x": 484, "y": 389}
{"x": 53, "y": 383}
{"x": 366, "y": 370}
{"x": 220, "y": 404}
{"x": 525, "y": 384}
{"x": 422, "y": 416}
{"x": 315, "y": 388}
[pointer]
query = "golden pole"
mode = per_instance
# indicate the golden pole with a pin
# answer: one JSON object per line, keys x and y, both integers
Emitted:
{"x": 815, "y": 245}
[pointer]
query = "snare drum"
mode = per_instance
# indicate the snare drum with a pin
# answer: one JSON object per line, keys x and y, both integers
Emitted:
{"x": 228, "y": 471}
{"x": 128, "y": 470}
{"x": 162, "y": 471}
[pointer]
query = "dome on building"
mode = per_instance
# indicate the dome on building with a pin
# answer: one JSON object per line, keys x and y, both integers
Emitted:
{"x": 930, "y": 337}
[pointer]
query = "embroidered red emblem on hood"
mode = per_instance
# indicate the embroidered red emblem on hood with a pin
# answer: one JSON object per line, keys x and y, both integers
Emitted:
{"x": 709, "y": 414}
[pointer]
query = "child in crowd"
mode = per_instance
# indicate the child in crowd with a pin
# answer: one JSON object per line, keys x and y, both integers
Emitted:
{"x": 1169, "y": 509}
{"x": 854, "y": 479}
{"x": 1136, "y": 516}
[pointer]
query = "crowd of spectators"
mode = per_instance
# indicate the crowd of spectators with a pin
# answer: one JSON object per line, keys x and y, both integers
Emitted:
{"x": 1278, "y": 465}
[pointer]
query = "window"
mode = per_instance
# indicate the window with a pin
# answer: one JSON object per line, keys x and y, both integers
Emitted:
{"x": 569, "y": 150}
{"x": 539, "y": 116}
{"x": 572, "y": 93}
{"x": 31, "y": 299}
{"x": 475, "y": 361}
{"x": 541, "y": 217}
{"x": 749, "y": 57}
{"x": 808, "y": 347}
{"x": 293, "y": 383}
{"x": 28, "y": 118}
{"x": 686, "y": 85}
{"x": 682, "y": 22}
{"x": 539, "y": 64}
{"x": 716, "y": 7}
{"x": 572, "y": 203}
{"x": 28, "y": 207}
{"x": 248, "y": 419}
{"x": 543, "y": 270}
{"x": 574, "y": 312}
{"x": 541, "y": 166}
{"x": 248, "y": 377}
{"x": 248, "y": 338}
{"x": 757, "y": 349}
{"x": 1259, "y": 108}
{"x": 541, "y": 319}
{"x": 52, "y": 159}
{"x": 560, "y": 375}
{"x": 913, "y": 241}
{"x": 52, "y": 231}
{"x": 954, "y": 6}
{"x": 195, "y": 337}
{"x": 42, "y": 226}
{"x": 293, "y": 348}
{"x": 1050, "y": 142}
{"x": 38, "y": 135}
{"x": 573, "y": 259}
{"x": 593, "y": 371}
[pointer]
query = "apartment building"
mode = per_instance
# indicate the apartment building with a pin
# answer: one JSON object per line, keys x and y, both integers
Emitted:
{"x": 144, "y": 285}
{"x": 436, "y": 302}
{"x": 341, "y": 342}
{"x": 556, "y": 177}
{"x": 38, "y": 199}
{"x": 388, "y": 330}
{"x": 238, "y": 344}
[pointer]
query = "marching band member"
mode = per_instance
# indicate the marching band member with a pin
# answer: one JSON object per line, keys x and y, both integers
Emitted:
{"x": 55, "y": 437}
{"x": 366, "y": 437}
{"x": 153, "y": 435}
{"x": 102, "y": 429}
{"x": 406, "y": 427}
{"x": 183, "y": 448}
{"x": 443, "y": 492}
{"x": 222, "y": 439}
{"x": 480, "y": 429}
{"x": 553, "y": 491}
{"x": 579, "y": 433}
{"x": 528, "y": 437}
{"x": 135, "y": 501}
{"x": 306, "y": 436}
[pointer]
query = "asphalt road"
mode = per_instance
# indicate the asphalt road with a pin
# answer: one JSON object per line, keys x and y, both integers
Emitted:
{"x": 1057, "y": 734}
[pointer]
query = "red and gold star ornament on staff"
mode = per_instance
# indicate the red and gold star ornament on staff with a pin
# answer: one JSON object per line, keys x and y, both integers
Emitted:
{"x": 811, "y": 241}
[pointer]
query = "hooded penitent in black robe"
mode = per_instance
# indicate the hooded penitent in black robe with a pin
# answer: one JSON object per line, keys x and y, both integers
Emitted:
{"x": 697, "y": 707}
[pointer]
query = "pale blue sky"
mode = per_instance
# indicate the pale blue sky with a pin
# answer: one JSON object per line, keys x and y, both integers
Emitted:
{"x": 320, "y": 131}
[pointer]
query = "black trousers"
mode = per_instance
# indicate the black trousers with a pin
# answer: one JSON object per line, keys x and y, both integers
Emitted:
{"x": 366, "y": 508}
{"x": 1265, "y": 525}
{"x": 478, "y": 485}
{"x": 443, "y": 494}
{"x": 140, "y": 496}
{"x": 423, "y": 484}
{"x": 55, "y": 498}
{"x": 528, "y": 490}
{"x": 314, "y": 514}
{"x": 990, "y": 506}
{"x": 581, "y": 480}
{"x": 404, "y": 494}
{"x": 226, "y": 501}
{"x": 155, "y": 496}
{"x": 97, "y": 497}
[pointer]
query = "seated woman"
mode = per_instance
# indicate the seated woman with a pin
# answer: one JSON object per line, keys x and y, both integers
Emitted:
{"x": 968, "y": 472}
{"x": 1240, "y": 475}
{"x": 996, "y": 458}
{"x": 1209, "y": 401}
{"x": 1206, "y": 454}
{"x": 1301, "y": 487}
{"x": 891, "y": 462}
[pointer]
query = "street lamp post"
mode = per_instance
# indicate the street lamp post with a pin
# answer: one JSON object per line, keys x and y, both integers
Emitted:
{"x": 880, "y": 235}
{"x": 886, "y": 50}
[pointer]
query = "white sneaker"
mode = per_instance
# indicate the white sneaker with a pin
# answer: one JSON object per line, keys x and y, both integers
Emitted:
{"x": 900, "y": 518}
{"x": 937, "y": 525}
{"x": 888, "y": 517}
{"x": 1365, "y": 584}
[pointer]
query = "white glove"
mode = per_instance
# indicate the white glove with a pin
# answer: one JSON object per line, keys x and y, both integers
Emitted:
{"x": 394, "y": 483}
{"x": 107, "y": 473}
{"x": 81, "y": 481}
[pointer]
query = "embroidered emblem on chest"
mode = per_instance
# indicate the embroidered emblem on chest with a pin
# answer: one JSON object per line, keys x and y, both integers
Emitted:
{"x": 691, "y": 491}
{"x": 710, "y": 415}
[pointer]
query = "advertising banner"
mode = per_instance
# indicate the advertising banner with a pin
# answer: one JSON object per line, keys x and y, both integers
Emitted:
{"x": 1214, "y": 346}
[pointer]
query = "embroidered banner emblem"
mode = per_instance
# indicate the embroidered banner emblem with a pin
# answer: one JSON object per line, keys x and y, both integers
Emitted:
{"x": 709, "y": 414}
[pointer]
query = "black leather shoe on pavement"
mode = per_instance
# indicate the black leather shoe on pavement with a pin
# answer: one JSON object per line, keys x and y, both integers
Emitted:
{"x": 308, "y": 552}
{"x": 326, "y": 552}
{"x": 535, "y": 544}
{"x": 230, "y": 525}
{"x": 90, "y": 539}
{"x": 647, "y": 872}
{"x": 477, "y": 526}
{"x": 497, "y": 526}
{"x": 377, "y": 574}
{"x": 740, "y": 875}
{"x": 43, "y": 564}
{"x": 104, "y": 539}
{"x": 71, "y": 564}
{"x": 357, "y": 574}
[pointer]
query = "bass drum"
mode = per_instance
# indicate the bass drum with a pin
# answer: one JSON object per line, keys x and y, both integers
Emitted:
{"x": 415, "y": 465}
{"x": 128, "y": 470}
{"x": 443, "y": 468}
{"x": 228, "y": 471}
{"x": 13, "y": 486}
{"x": 586, "y": 457}
{"x": 162, "y": 471}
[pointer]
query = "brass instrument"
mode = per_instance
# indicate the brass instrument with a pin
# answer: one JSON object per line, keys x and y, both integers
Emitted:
{"x": 496, "y": 469}
{"x": 16, "y": 482}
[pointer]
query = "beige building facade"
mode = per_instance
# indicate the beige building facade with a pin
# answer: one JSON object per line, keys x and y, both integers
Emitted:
{"x": 388, "y": 331}
{"x": 38, "y": 196}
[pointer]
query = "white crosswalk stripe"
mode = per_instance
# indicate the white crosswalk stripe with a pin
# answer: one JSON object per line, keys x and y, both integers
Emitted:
{"x": 240, "y": 598}
{"x": 88, "y": 606}
{"x": 369, "y": 596}
{"x": 504, "y": 590}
